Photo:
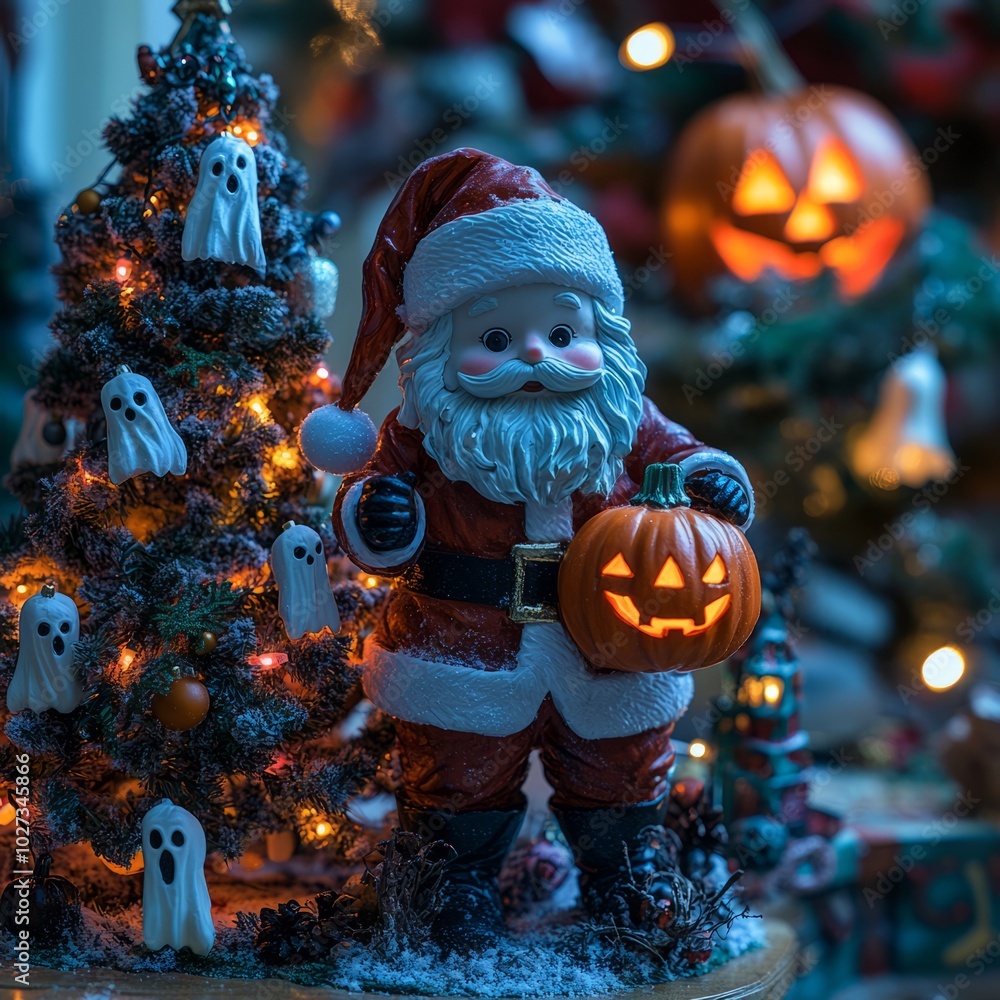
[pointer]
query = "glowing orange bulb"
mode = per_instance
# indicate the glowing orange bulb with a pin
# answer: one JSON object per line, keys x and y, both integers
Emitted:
{"x": 252, "y": 137}
{"x": 268, "y": 660}
{"x": 7, "y": 814}
{"x": 323, "y": 829}
{"x": 237, "y": 130}
{"x": 126, "y": 658}
{"x": 123, "y": 269}
{"x": 22, "y": 589}
{"x": 322, "y": 372}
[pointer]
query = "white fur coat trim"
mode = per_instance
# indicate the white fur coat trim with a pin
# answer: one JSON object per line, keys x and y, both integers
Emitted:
{"x": 501, "y": 702}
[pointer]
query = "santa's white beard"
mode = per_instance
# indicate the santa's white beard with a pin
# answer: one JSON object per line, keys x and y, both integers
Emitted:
{"x": 522, "y": 448}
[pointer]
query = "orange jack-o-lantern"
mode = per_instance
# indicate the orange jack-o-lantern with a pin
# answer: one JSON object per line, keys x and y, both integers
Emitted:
{"x": 656, "y": 585}
{"x": 796, "y": 181}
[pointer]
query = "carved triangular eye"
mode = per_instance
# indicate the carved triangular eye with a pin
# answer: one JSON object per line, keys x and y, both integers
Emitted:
{"x": 670, "y": 575}
{"x": 834, "y": 176}
{"x": 618, "y": 567}
{"x": 763, "y": 188}
{"x": 716, "y": 572}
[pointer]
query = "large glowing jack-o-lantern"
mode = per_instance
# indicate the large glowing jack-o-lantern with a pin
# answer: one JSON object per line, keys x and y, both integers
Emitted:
{"x": 792, "y": 184}
{"x": 656, "y": 585}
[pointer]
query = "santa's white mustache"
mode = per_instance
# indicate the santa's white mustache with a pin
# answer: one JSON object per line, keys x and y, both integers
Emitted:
{"x": 512, "y": 375}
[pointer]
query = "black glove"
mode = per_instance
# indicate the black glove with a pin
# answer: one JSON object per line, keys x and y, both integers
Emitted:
{"x": 387, "y": 512}
{"x": 719, "y": 493}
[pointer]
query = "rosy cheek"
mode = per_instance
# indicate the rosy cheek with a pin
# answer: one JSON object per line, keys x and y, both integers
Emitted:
{"x": 585, "y": 356}
{"x": 479, "y": 362}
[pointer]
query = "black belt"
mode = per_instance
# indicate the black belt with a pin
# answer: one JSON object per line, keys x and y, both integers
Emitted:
{"x": 524, "y": 584}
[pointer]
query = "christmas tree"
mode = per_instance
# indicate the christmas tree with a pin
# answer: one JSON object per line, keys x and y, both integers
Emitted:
{"x": 152, "y": 506}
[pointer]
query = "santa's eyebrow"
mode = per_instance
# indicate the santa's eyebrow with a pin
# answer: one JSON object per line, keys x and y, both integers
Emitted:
{"x": 567, "y": 299}
{"x": 482, "y": 305}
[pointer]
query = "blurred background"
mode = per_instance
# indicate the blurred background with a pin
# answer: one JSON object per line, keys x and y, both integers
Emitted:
{"x": 811, "y": 274}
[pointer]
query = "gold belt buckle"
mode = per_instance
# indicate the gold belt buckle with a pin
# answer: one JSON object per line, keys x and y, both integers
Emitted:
{"x": 532, "y": 552}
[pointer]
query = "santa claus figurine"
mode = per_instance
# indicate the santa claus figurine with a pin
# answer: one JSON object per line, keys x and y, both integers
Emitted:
{"x": 523, "y": 416}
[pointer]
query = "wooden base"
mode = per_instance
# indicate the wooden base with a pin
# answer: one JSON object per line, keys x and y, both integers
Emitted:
{"x": 766, "y": 974}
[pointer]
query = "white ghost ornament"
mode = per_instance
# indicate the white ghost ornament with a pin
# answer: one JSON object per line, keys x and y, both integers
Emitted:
{"x": 223, "y": 219}
{"x": 45, "y": 675}
{"x": 43, "y": 438}
{"x": 305, "y": 598}
{"x": 176, "y": 908}
{"x": 140, "y": 438}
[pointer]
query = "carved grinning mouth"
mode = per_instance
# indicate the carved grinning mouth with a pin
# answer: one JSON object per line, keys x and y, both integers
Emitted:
{"x": 857, "y": 260}
{"x": 658, "y": 628}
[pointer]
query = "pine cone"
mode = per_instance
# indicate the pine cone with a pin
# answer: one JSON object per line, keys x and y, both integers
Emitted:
{"x": 695, "y": 820}
{"x": 286, "y": 934}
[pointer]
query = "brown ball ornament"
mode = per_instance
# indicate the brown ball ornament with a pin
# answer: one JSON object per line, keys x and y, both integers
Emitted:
{"x": 184, "y": 706}
{"x": 88, "y": 201}
{"x": 204, "y": 643}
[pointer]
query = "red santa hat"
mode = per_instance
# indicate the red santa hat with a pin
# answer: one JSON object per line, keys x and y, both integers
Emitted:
{"x": 463, "y": 224}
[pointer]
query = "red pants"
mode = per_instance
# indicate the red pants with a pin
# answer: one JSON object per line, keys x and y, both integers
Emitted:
{"x": 456, "y": 772}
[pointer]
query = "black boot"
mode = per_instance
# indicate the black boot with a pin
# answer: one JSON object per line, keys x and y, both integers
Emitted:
{"x": 470, "y": 918}
{"x": 600, "y": 838}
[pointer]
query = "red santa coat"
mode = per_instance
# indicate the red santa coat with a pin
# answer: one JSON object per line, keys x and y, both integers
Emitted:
{"x": 468, "y": 667}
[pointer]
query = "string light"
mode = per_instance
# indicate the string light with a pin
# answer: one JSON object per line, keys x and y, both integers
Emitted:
{"x": 126, "y": 658}
{"x": 370, "y": 581}
{"x": 285, "y": 458}
{"x": 323, "y": 829}
{"x": 648, "y": 47}
{"x": 258, "y": 404}
{"x": 123, "y": 270}
{"x": 268, "y": 660}
{"x": 7, "y": 814}
{"x": 246, "y": 130}
{"x": 943, "y": 668}
{"x": 697, "y": 749}
{"x": 322, "y": 372}
{"x": 22, "y": 589}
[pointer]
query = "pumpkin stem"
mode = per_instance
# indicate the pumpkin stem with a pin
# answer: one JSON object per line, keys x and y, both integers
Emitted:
{"x": 763, "y": 57}
{"x": 662, "y": 486}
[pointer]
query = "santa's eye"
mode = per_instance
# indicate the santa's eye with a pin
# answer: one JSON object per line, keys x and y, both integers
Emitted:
{"x": 64, "y": 627}
{"x": 299, "y": 551}
{"x": 241, "y": 162}
{"x": 155, "y": 839}
{"x": 561, "y": 335}
{"x": 44, "y": 628}
{"x": 139, "y": 399}
{"x": 217, "y": 169}
{"x": 116, "y": 403}
{"x": 319, "y": 547}
{"x": 177, "y": 838}
{"x": 496, "y": 340}
{"x": 233, "y": 185}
